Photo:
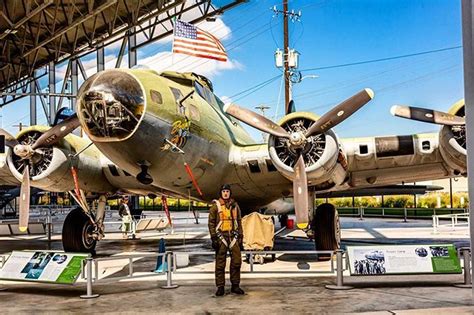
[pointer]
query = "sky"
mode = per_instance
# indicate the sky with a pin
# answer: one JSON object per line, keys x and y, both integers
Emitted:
{"x": 328, "y": 35}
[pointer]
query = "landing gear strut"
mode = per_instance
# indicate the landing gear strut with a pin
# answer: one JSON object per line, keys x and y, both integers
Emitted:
{"x": 326, "y": 229}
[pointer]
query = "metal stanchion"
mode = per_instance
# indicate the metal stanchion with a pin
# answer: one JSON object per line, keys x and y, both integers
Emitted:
{"x": 466, "y": 255}
{"x": 49, "y": 224}
{"x": 89, "y": 294}
{"x": 339, "y": 273}
{"x": 405, "y": 214}
{"x": 361, "y": 213}
{"x": 251, "y": 262}
{"x": 169, "y": 271}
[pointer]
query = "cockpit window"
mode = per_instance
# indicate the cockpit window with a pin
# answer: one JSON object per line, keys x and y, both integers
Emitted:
{"x": 206, "y": 94}
{"x": 176, "y": 93}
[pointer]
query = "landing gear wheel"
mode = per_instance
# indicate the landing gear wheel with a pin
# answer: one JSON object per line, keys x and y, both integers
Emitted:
{"x": 327, "y": 230}
{"x": 77, "y": 233}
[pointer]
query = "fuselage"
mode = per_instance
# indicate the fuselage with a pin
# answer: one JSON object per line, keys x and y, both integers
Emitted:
{"x": 177, "y": 119}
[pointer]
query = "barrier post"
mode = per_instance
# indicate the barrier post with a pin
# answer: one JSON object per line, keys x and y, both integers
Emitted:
{"x": 466, "y": 255}
{"x": 169, "y": 271}
{"x": 405, "y": 214}
{"x": 49, "y": 224}
{"x": 361, "y": 213}
{"x": 89, "y": 294}
{"x": 339, "y": 274}
{"x": 251, "y": 262}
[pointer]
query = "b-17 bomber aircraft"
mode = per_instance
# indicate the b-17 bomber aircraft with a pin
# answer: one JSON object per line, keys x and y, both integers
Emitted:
{"x": 175, "y": 136}
{"x": 150, "y": 124}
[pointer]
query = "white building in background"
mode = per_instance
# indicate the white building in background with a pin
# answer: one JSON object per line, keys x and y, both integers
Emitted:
{"x": 459, "y": 184}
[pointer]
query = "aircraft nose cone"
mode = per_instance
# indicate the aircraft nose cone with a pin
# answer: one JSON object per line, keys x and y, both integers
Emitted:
{"x": 110, "y": 105}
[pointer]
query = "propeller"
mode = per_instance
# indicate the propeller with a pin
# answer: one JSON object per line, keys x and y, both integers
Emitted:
{"x": 25, "y": 200}
{"x": 340, "y": 113}
{"x": 58, "y": 132}
{"x": 297, "y": 140}
{"x": 300, "y": 194}
{"x": 427, "y": 115}
{"x": 255, "y": 120}
{"x": 26, "y": 153}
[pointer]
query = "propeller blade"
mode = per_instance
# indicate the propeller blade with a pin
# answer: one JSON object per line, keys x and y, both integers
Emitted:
{"x": 25, "y": 200}
{"x": 427, "y": 115}
{"x": 57, "y": 132}
{"x": 300, "y": 194}
{"x": 10, "y": 140}
{"x": 340, "y": 113}
{"x": 255, "y": 120}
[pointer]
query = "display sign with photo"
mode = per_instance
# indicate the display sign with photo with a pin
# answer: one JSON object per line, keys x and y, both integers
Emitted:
{"x": 403, "y": 259}
{"x": 57, "y": 267}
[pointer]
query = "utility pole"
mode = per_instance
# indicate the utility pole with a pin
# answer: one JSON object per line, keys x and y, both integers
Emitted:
{"x": 20, "y": 126}
{"x": 288, "y": 58}
{"x": 286, "y": 51}
{"x": 262, "y": 109}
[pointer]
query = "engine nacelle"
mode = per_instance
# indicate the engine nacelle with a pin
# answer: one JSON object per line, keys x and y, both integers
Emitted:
{"x": 452, "y": 143}
{"x": 50, "y": 166}
{"x": 324, "y": 160}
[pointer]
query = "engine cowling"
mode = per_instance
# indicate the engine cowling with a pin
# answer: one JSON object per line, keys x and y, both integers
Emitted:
{"x": 452, "y": 143}
{"x": 50, "y": 166}
{"x": 324, "y": 161}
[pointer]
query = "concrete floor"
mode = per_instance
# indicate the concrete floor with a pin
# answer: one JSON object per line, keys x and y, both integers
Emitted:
{"x": 275, "y": 292}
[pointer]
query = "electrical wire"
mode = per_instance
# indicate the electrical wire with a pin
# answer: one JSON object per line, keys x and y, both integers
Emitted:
{"x": 382, "y": 59}
{"x": 255, "y": 89}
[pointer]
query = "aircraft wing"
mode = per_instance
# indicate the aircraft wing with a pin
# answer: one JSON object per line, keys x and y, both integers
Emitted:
{"x": 380, "y": 161}
{"x": 6, "y": 176}
{"x": 382, "y": 190}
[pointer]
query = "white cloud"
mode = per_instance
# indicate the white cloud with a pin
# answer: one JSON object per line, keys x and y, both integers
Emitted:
{"x": 226, "y": 99}
{"x": 164, "y": 61}
{"x": 218, "y": 28}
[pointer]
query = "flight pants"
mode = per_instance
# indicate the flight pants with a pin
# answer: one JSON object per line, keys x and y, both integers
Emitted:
{"x": 235, "y": 262}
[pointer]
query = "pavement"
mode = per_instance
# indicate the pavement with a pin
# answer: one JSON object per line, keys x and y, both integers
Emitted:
{"x": 293, "y": 283}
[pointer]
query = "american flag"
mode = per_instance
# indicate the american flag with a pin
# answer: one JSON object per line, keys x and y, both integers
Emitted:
{"x": 190, "y": 40}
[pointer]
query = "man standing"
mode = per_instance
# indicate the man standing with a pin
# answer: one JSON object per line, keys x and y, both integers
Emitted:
{"x": 124, "y": 212}
{"x": 225, "y": 227}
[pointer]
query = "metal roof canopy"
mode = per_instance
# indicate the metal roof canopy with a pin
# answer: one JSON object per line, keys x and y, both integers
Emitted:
{"x": 35, "y": 33}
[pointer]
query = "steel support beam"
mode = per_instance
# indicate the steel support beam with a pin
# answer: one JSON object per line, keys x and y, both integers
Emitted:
{"x": 74, "y": 84}
{"x": 468, "y": 50}
{"x": 118, "y": 63}
{"x": 100, "y": 59}
{"x": 33, "y": 114}
{"x": 132, "y": 52}
{"x": 52, "y": 89}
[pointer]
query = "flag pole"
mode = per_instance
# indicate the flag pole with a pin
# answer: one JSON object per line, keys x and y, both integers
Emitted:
{"x": 174, "y": 36}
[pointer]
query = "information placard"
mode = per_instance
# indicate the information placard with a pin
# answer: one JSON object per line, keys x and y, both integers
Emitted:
{"x": 403, "y": 259}
{"x": 43, "y": 266}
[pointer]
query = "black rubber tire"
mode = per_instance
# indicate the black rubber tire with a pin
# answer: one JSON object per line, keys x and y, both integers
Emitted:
{"x": 326, "y": 228}
{"x": 76, "y": 227}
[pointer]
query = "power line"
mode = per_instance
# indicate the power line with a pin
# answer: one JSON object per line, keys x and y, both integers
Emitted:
{"x": 365, "y": 77}
{"x": 383, "y": 59}
{"x": 256, "y": 88}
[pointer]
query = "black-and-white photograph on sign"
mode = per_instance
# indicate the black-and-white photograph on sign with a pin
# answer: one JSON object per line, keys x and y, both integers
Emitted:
{"x": 369, "y": 262}
{"x": 439, "y": 251}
